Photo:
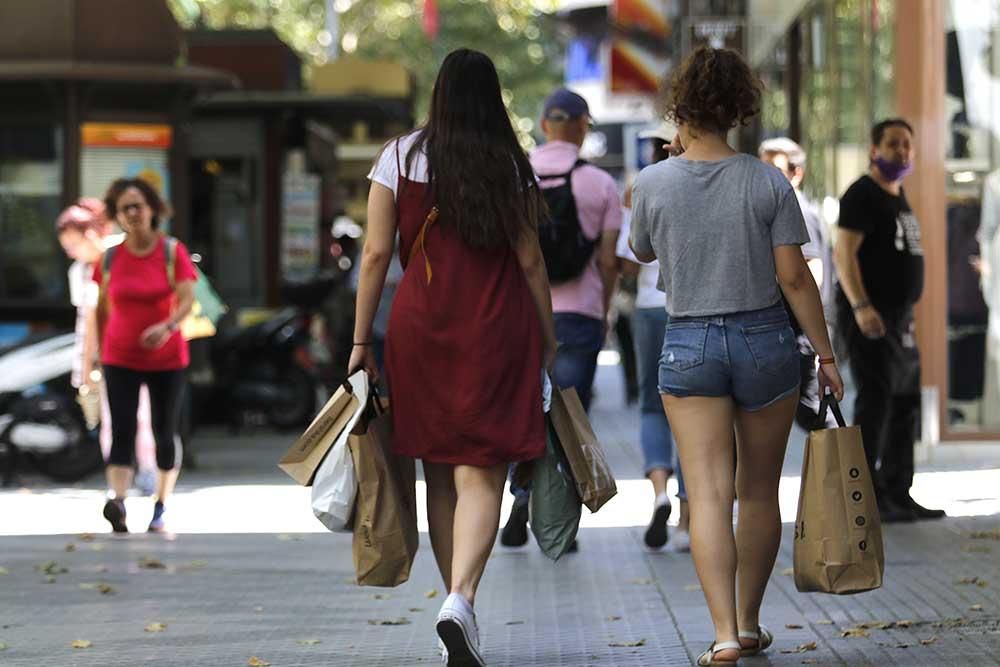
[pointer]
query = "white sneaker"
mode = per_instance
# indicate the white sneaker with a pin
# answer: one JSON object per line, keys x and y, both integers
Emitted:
{"x": 443, "y": 650}
{"x": 681, "y": 542}
{"x": 456, "y": 626}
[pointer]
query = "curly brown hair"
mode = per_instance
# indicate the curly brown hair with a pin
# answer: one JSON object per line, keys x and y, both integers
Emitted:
{"x": 713, "y": 90}
{"x": 161, "y": 209}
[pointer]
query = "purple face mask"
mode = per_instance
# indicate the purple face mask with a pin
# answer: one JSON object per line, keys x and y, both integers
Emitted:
{"x": 893, "y": 171}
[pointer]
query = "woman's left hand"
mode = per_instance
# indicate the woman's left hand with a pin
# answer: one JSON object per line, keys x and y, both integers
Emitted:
{"x": 155, "y": 336}
{"x": 363, "y": 356}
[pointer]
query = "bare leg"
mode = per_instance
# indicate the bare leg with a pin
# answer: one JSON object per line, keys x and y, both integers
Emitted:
{"x": 165, "y": 482}
{"x": 441, "y": 498}
{"x": 477, "y": 517}
{"x": 703, "y": 428}
{"x": 119, "y": 479}
{"x": 684, "y": 518}
{"x": 658, "y": 477}
{"x": 761, "y": 440}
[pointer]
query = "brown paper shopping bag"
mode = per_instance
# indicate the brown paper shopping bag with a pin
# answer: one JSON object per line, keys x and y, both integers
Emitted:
{"x": 838, "y": 535}
{"x": 385, "y": 512}
{"x": 589, "y": 466}
{"x": 306, "y": 455}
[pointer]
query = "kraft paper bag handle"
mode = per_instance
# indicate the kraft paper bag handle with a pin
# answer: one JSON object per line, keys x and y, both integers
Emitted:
{"x": 829, "y": 402}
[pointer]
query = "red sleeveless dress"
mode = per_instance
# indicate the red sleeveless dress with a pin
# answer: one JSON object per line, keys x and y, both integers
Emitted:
{"x": 463, "y": 349}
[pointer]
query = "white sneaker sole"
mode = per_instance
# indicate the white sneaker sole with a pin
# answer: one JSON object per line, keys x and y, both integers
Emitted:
{"x": 461, "y": 651}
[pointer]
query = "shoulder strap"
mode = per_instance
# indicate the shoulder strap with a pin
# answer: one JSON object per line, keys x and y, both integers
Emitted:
{"x": 576, "y": 165}
{"x": 106, "y": 266}
{"x": 170, "y": 255}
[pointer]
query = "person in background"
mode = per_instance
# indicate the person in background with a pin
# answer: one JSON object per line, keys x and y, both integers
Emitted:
{"x": 790, "y": 159}
{"x": 880, "y": 265}
{"x": 580, "y": 304}
{"x": 471, "y": 328}
{"x": 141, "y": 342}
{"x": 729, "y": 361}
{"x": 83, "y": 232}
{"x": 650, "y": 321}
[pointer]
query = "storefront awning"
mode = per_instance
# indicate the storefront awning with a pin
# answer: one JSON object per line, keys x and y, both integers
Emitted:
{"x": 769, "y": 20}
{"x": 68, "y": 70}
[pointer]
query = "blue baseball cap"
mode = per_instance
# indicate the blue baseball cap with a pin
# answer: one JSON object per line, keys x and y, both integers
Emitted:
{"x": 564, "y": 104}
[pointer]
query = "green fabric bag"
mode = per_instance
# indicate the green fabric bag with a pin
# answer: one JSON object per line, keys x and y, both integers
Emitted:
{"x": 555, "y": 504}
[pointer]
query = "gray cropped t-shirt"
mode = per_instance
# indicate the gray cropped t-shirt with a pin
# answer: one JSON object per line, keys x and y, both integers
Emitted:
{"x": 713, "y": 227}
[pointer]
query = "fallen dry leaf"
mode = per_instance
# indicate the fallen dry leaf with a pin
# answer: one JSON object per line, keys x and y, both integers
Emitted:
{"x": 824, "y": 621}
{"x": 902, "y": 646}
{"x": 793, "y": 626}
{"x": 415, "y": 610}
{"x": 855, "y": 632}
{"x": 309, "y": 642}
{"x": 70, "y": 547}
{"x": 389, "y": 621}
{"x": 976, "y": 549}
{"x": 150, "y": 563}
{"x": 106, "y": 589}
{"x": 976, "y": 607}
{"x": 86, "y": 537}
{"x": 801, "y": 648}
{"x": 788, "y": 572}
{"x": 87, "y": 586}
{"x": 929, "y": 641}
{"x": 693, "y": 587}
{"x": 638, "y": 642}
{"x": 640, "y": 581}
{"x": 4, "y": 571}
{"x": 51, "y": 567}
{"x": 970, "y": 581}
{"x": 3, "y": 647}
{"x": 810, "y": 661}
{"x": 875, "y": 625}
{"x": 290, "y": 538}
{"x": 613, "y": 618}
{"x": 258, "y": 609}
{"x": 257, "y": 662}
{"x": 82, "y": 643}
{"x": 432, "y": 593}
{"x": 985, "y": 535}
{"x": 155, "y": 627}
{"x": 380, "y": 596}
{"x": 903, "y": 624}
{"x": 514, "y": 623}
{"x": 50, "y": 579}
{"x": 97, "y": 546}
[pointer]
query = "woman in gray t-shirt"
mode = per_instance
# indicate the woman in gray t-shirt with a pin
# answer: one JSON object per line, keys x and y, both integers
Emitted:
{"x": 727, "y": 230}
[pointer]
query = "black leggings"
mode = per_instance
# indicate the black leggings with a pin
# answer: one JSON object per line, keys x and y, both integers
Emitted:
{"x": 165, "y": 391}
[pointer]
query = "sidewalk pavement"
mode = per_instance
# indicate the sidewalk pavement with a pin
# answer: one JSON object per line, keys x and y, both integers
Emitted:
{"x": 281, "y": 590}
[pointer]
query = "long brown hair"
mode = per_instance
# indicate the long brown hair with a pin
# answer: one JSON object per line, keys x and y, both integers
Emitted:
{"x": 480, "y": 177}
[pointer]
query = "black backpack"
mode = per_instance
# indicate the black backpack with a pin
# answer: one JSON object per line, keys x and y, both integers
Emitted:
{"x": 566, "y": 249}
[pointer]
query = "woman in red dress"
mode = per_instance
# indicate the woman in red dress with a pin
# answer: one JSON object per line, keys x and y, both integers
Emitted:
{"x": 471, "y": 325}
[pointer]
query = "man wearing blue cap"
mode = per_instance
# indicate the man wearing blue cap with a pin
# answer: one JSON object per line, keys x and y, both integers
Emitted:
{"x": 578, "y": 240}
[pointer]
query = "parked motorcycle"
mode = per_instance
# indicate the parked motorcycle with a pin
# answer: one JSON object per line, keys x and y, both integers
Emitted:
{"x": 40, "y": 420}
{"x": 272, "y": 371}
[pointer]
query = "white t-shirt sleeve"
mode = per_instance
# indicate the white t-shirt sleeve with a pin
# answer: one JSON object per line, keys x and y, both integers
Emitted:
{"x": 622, "y": 249}
{"x": 385, "y": 170}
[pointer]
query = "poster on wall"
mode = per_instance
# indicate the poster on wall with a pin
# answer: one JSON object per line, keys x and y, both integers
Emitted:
{"x": 300, "y": 227}
{"x": 640, "y": 46}
{"x": 129, "y": 150}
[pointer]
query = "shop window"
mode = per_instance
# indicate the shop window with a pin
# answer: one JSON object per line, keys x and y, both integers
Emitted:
{"x": 32, "y": 266}
{"x": 972, "y": 144}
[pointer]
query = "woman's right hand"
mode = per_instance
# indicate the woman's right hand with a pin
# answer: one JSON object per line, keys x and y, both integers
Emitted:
{"x": 829, "y": 376}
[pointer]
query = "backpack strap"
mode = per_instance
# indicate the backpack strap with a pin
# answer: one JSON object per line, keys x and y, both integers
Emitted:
{"x": 551, "y": 177}
{"x": 109, "y": 254}
{"x": 170, "y": 255}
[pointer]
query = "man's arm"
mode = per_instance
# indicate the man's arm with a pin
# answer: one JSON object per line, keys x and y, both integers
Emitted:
{"x": 845, "y": 253}
{"x": 607, "y": 264}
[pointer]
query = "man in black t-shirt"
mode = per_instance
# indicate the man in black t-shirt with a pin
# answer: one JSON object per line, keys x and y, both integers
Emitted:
{"x": 880, "y": 265}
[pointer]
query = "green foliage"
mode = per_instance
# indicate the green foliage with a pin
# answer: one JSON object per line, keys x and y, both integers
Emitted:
{"x": 521, "y": 39}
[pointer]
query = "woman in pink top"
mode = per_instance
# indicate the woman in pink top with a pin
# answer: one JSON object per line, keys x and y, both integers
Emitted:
{"x": 141, "y": 341}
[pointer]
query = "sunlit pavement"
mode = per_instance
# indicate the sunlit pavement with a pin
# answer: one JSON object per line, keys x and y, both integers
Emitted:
{"x": 250, "y": 573}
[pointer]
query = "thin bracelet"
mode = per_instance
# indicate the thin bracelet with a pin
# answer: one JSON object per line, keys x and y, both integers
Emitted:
{"x": 827, "y": 361}
{"x": 864, "y": 303}
{"x": 363, "y": 344}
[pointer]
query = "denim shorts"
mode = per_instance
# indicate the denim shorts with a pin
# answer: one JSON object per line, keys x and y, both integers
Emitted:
{"x": 751, "y": 356}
